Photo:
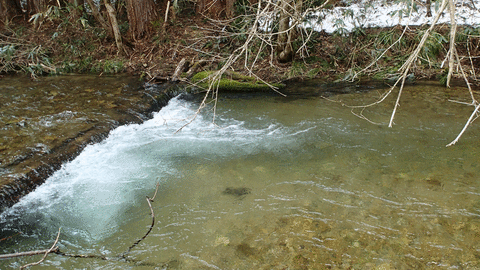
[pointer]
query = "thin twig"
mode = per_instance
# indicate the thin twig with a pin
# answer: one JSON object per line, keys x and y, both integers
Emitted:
{"x": 461, "y": 102}
{"x": 389, "y": 47}
{"x": 46, "y": 253}
{"x": 474, "y": 101}
{"x": 405, "y": 68}
{"x": 149, "y": 201}
{"x": 26, "y": 253}
{"x": 361, "y": 116}
{"x": 470, "y": 120}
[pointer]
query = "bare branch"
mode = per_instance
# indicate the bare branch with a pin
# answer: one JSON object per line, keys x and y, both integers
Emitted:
{"x": 451, "y": 51}
{"x": 361, "y": 116}
{"x": 54, "y": 246}
{"x": 470, "y": 120}
{"x": 26, "y": 253}
{"x": 149, "y": 201}
{"x": 405, "y": 68}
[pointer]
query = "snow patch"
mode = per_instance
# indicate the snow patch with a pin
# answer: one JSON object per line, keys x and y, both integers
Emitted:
{"x": 386, "y": 14}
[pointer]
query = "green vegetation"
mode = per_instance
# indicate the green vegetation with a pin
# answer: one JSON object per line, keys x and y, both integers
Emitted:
{"x": 231, "y": 81}
{"x": 64, "y": 38}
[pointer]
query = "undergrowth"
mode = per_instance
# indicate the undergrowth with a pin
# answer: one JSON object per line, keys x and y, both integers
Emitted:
{"x": 61, "y": 44}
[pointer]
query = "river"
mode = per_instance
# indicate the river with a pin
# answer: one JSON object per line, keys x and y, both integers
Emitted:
{"x": 268, "y": 183}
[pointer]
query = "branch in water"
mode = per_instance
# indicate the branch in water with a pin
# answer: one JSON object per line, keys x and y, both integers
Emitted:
{"x": 54, "y": 246}
{"x": 149, "y": 201}
{"x": 26, "y": 253}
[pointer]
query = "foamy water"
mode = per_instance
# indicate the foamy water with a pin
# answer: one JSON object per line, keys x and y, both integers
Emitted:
{"x": 317, "y": 187}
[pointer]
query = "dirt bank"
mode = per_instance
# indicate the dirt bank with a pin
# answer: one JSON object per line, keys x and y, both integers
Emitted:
{"x": 55, "y": 49}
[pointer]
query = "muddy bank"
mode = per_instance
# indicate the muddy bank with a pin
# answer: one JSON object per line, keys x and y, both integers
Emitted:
{"x": 49, "y": 121}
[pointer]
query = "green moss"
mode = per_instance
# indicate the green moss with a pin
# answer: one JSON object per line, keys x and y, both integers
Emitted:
{"x": 200, "y": 76}
{"x": 232, "y": 81}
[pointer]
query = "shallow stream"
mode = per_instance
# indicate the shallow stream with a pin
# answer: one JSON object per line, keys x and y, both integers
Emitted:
{"x": 273, "y": 183}
{"x": 39, "y": 117}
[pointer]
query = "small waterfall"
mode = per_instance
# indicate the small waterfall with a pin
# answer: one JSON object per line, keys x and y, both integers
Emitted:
{"x": 89, "y": 195}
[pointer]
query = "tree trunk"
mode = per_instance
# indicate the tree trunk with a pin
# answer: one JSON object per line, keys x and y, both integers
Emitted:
{"x": 229, "y": 8}
{"x": 74, "y": 7}
{"x": 214, "y": 9}
{"x": 121, "y": 10}
{"x": 37, "y": 6}
{"x": 140, "y": 15}
{"x": 9, "y": 9}
{"x": 429, "y": 8}
{"x": 286, "y": 36}
{"x": 114, "y": 24}
{"x": 98, "y": 17}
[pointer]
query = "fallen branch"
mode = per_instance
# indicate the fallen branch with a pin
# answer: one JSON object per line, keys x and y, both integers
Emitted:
{"x": 26, "y": 253}
{"x": 101, "y": 257}
{"x": 405, "y": 68}
{"x": 55, "y": 249}
{"x": 469, "y": 121}
{"x": 115, "y": 29}
{"x": 54, "y": 246}
{"x": 149, "y": 200}
{"x": 180, "y": 67}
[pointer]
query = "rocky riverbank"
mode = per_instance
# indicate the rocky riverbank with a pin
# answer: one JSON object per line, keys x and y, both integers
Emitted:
{"x": 50, "y": 120}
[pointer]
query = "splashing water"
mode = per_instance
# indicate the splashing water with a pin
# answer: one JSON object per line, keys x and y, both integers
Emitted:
{"x": 317, "y": 187}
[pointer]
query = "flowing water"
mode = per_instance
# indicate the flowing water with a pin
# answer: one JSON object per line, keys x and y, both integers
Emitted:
{"x": 39, "y": 118}
{"x": 272, "y": 183}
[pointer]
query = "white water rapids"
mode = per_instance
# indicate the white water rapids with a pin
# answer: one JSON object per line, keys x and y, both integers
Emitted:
{"x": 324, "y": 188}
{"x": 88, "y": 194}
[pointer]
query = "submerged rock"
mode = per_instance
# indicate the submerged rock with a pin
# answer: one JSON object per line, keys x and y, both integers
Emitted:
{"x": 240, "y": 191}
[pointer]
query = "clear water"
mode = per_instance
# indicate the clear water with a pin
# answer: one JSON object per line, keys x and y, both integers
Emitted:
{"x": 39, "y": 117}
{"x": 322, "y": 189}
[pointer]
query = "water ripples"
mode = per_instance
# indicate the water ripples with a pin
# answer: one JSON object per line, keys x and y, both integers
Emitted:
{"x": 320, "y": 191}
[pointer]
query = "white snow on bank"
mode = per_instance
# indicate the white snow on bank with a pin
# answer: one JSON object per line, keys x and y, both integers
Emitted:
{"x": 387, "y": 14}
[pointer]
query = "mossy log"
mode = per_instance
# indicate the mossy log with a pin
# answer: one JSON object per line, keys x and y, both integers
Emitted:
{"x": 232, "y": 81}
